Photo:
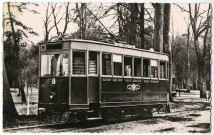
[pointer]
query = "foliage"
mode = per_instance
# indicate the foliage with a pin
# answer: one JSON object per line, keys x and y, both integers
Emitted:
{"x": 200, "y": 21}
{"x": 134, "y": 23}
{"x": 31, "y": 60}
{"x": 179, "y": 56}
{"x": 14, "y": 37}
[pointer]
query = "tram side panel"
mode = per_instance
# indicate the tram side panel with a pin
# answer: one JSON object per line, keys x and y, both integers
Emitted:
{"x": 132, "y": 90}
{"x": 78, "y": 90}
{"x": 153, "y": 91}
{"x": 112, "y": 90}
{"x": 163, "y": 90}
{"x": 129, "y": 90}
{"x": 93, "y": 83}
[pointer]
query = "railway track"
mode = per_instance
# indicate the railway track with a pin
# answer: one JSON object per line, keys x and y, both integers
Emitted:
{"x": 64, "y": 126}
{"x": 60, "y": 127}
{"x": 34, "y": 127}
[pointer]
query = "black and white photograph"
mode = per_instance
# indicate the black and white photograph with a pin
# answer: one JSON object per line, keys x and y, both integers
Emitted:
{"x": 106, "y": 67}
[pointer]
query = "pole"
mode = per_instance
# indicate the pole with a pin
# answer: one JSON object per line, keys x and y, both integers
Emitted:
{"x": 28, "y": 104}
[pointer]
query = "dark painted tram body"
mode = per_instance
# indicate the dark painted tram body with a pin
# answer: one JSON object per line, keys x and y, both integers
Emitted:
{"x": 81, "y": 75}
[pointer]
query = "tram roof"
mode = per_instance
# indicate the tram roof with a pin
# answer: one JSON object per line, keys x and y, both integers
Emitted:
{"x": 102, "y": 43}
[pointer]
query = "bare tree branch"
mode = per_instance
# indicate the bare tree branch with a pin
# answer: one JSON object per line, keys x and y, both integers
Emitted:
{"x": 182, "y": 9}
{"x": 149, "y": 14}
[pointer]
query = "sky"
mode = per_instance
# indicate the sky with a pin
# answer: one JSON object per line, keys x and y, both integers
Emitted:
{"x": 179, "y": 19}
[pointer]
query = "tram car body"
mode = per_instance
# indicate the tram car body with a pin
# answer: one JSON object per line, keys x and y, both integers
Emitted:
{"x": 92, "y": 76}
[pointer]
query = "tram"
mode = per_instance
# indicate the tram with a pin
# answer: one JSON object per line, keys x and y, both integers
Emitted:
{"x": 99, "y": 79}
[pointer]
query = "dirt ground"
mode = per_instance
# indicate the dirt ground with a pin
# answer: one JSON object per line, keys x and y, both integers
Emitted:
{"x": 189, "y": 114}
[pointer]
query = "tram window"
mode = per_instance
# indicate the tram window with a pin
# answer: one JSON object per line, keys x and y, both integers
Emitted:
{"x": 117, "y": 60}
{"x": 45, "y": 65}
{"x": 54, "y": 65}
{"x": 78, "y": 63}
{"x": 162, "y": 69}
{"x": 137, "y": 67}
{"x": 154, "y": 69}
{"x": 146, "y": 69}
{"x": 92, "y": 63}
{"x": 127, "y": 66}
{"x": 106, "y": 64}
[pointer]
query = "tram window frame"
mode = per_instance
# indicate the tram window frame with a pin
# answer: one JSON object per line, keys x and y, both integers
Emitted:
{"x": 124, "y": 68}
{"x": 165, "y": 66}
{"x": 135, "y": 67}
{"x": 167, "y": 70}
{"x": 113, "y": 65}
{"x": 97, "y": 63}
{"x": 148, "y": 70}
{"x": 85, "y": 60}
{"x": 151, "y": 68}
{"x": 110, "y": 56}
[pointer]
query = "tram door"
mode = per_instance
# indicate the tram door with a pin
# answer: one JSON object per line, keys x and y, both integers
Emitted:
{"x": 84, "y": 78}
{"x": 79, "y": 78}
{"x": 93, "y": 80}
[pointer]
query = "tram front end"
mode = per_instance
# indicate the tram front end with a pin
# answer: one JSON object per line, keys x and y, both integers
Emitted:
{"x": 53, "y": 77}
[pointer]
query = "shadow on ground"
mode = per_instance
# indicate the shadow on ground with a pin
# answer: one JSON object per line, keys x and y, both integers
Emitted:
{"x": 176, "y": 119}
{"x": 166, "y": 130}
{"x": 205, "y": 126}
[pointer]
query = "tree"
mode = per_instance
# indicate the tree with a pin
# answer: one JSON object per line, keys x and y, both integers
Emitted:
{"x": 30, "y": 70}
{"x": 9, "y": 111}
{"x": 166, "y": 44}
{"x": 81, "y": 14}
{"x": 200, "y": 23}
{"x": 142, "y": 28}
{"x": 14, "y": 33}
{"x": 47, "y": 22}
{"x": 56, "y": 18}
{"x": 188, "y": 61}
{"x": 159, "y": 22}
{"x": 133, "y": 22}
{"x": 179, "y": 57}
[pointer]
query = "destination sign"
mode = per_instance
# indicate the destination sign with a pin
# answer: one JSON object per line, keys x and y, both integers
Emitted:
{"x": 106, "y": 79}
{"x": 154, "y": 81}
{"x": 146, "y": 81}
{"x": 137, "y": 80}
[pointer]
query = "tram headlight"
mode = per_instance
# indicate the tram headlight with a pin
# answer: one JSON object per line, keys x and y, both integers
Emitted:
{"x": 52, "y": 95}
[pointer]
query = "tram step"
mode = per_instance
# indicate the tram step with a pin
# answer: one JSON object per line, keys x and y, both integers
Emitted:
{"x": 94, "y": 118}
{"x": 93, "y": 114}
{"x": 90, "y": 111}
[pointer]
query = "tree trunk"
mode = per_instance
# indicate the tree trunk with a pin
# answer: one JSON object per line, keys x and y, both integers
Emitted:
{"x": 120, "y": 21}
{"x": 82, "y": 24}
{"x": 142, "y": 26}
{"x": 158, "y": 27}
{"x": 22, "y": 90}
{"x": 201, "y": 73}
{"x": 166, "y": 27}
{"x": 84, "y": 20}
{"x": 196, "y": 83}
{"x": 202, "y": 83}
{"x": 188, "y": 63}
{"x": 133, "y": 23}
{"x": 9, "y": 110}
{"x": 170, "y": 75}
{"x": 166, "y": 45}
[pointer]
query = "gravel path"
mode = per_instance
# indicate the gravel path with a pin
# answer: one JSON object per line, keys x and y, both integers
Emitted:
{"x": 189, "y": 114}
